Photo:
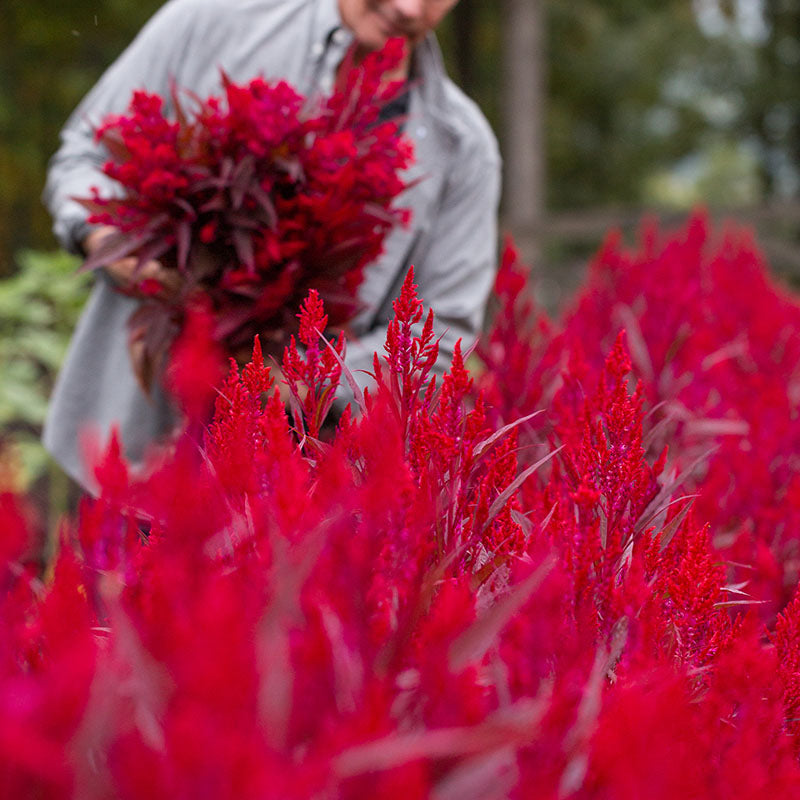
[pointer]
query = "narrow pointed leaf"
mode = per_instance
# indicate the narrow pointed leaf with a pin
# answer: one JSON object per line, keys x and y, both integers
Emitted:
{"x": 348, "y": 376}
{"x": 675, "y": 523}
{"x": 506, "y": 495}
{"x": 473, "y": 644}
{"x": 499, "y": 434}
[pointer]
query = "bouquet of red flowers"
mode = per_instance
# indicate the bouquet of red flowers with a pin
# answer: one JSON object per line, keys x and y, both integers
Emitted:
{"x": 254, "y": 199}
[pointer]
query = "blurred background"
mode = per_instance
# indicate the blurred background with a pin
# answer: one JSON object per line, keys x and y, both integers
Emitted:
{"x": 606, "y": 111}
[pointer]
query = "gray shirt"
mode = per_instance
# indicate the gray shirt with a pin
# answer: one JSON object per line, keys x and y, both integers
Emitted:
{"x": 451, "y": 240}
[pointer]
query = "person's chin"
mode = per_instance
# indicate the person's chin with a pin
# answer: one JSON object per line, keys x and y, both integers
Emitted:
{"x": 374, "y": 42}
{"x": 385, "y": 30}
{"x": 372, "y": 38}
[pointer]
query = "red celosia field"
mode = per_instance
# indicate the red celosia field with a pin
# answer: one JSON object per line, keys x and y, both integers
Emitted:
{"x": 570, "y": 574}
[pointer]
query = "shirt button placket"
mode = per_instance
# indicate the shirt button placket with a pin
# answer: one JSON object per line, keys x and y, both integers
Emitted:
{"x": 330, "y": 56}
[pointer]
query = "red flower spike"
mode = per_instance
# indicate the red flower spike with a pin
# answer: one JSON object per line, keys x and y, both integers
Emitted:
{"x": 314, "y": 377}
{"x": 16, "y": 532}
{"x": 196, "y": 367}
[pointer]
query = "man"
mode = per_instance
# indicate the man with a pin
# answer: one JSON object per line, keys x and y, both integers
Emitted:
{"x": 451, "y": 240}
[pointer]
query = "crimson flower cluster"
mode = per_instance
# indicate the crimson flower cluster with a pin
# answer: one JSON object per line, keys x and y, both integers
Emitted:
{"x": 714, "y": 344}
{"x": 254, "y": 198}
{"x": 453, "y": 594}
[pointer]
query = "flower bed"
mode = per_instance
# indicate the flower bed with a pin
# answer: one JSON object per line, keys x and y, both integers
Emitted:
{"x": 547, "y": 584}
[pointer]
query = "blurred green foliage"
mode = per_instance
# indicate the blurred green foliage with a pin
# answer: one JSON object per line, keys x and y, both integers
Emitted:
{"x": 39, "y": 307}
{"x": 52, "y": 54}
{"x": 607, "y": 71}
{"x": 638, "y": 88}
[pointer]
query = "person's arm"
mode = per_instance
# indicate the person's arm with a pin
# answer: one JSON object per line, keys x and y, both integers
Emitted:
{"x": 455, "y": 274}
{"x": 148, "y": 63}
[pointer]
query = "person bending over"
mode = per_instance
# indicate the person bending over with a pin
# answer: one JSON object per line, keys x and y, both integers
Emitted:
{"x": 451, "y": 241}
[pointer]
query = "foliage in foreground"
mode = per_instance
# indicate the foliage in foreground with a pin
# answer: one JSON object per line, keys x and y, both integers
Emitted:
{"x": 459, "y": 594}
{"x": 39, "y": 308}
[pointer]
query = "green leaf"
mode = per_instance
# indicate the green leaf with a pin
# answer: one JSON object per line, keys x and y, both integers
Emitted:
{"x": 21, "y": 401}
{"x": 45, "y": 346}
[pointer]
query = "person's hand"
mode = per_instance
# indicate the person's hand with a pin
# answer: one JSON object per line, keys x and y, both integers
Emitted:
{"x": 283, "y": 386}
{"x": 133, "y": 279}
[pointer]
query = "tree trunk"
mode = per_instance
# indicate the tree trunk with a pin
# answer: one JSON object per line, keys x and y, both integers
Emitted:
{"x": 523, "y": 122}
{"x": 464, "y": 20}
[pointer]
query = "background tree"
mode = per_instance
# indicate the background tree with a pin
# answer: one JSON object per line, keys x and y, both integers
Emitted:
{"x": 645, "y": 106}
{"x": 770, "y": 104}
{"x": 524, "y": 110}
{"x": 52, "y": 54}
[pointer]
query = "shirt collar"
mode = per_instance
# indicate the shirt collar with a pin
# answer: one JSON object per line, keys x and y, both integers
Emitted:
{"x": 327, "y": 20}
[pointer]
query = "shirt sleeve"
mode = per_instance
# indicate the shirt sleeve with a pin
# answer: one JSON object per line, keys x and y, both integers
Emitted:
{"x": 454, "y": 272}
{"x": 148, "y": 63}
